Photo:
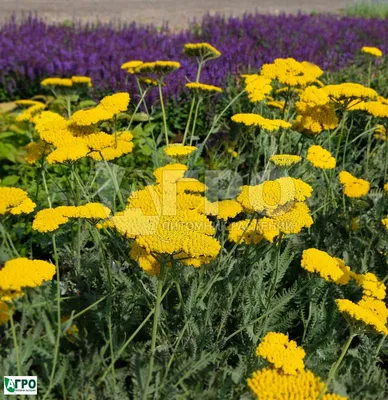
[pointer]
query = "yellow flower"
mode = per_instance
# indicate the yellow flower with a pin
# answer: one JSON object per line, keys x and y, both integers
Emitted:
{"x": 15, "y": 201}
{"x": 202, "y": 87}
{"x": 82, "y": 80}
{"x": 257, "y": 87}
{"x": 272, "y": 384}
{"x": 20, "y": 273}
{"x": 224, "y": 209}
{"x": 375, "y": 108}
{"x": 148, "y": 81}
{"x": 34, "y": 108}
{"x": 276, "y": 104}
{"x": 65, "y": 82}
{"x": 353, "y": 187}
{"x": 290, "y": 72}
{"x": 168, "y": 218}
{"x": 201, "y": 50}
{"x": 282, "y": 353}
{"x": 371, "y": 286}
{"x": 374, "y": 51}
{"x": 157, "y": 67}
{"x": 380, "y": 133}
{"x": 50, "y": 219}
{"x": 131, "y": 66}
{"x": 294, "y": 219}
{"x": 249, "y": 119}
{"x": 106, "y": 110}
{"x": 232, "y": 152}
{"x": 178, "y": 150}
{"x": 72, "y": 152}
{"x": 285, "y": 160}
{"x": 4, "y": 312}
{"x": 274, "y": 197}
{"x": 146, "y": 261}
{"x": 346, "y": 92}
{"x": 364, "y": 312}
{"x": 329, "y": 268}
{"x": 320, "y": 157}
{"x": 35, "y": 151}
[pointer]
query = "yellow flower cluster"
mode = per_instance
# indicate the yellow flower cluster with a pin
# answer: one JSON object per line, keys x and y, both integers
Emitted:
{"x": 178, "y": 150}
{"x": 67, "y": 82}
{"x": 224, "y": 209}
{"x": 73, "y": 142}
{"x": 348, "y": 91}
{"x": 374, "y": 51}
{"x": 169, "y": 218}
{"x": 371, "y": 309}
{"x": 353, "y": 187}
{"x": 315, "y": 114}
{"x": 375, "y": 108}
{"x": 201, "y": 50}
{"x": 380, "y": 133}
{"x": 202, "y": 87}
{"x": 250, "y": 119}
{"x": 282, "y": 353}
{"x": 290, "y": 72}
{"x": 106, "y": 110}
{"x": 271, "y": 384}
{"x": 21, "y": 273}
{"x": 282, "y": 200}
{"x": 157, "y": 67}
{"x": 131, "y": 66}
{"x": 368, "y": 311}
{"x": 320, "y": 157}
{"x": 329, "y": 268}
{"x": 15, "y": 201}
{"x": 82, "y": 80}
{"x": 274, "y": 197}
{"x": 50, "y": 219}
{"x": 33, "y": 108}
{"x": 287, "y": 377}
{"x": 285, "y": 160}
{"x": 257, "y": 87}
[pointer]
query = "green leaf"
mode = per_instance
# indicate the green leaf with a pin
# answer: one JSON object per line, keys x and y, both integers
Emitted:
{"x": 10, "y": 180}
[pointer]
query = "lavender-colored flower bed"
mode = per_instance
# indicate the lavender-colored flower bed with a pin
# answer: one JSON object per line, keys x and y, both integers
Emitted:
{"x": 33, "y": 49}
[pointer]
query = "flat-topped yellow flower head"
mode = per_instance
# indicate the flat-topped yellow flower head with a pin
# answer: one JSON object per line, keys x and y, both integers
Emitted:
{"x": 374, "y": 51}
{"x": 201, "y": 50}
{"x": 15, "y": 201}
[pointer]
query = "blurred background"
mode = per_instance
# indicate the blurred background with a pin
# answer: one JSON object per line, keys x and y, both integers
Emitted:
{"x": 177, "y": 12}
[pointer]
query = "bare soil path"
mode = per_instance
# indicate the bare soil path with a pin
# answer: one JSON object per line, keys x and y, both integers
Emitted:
{"x": 177, "y": 12}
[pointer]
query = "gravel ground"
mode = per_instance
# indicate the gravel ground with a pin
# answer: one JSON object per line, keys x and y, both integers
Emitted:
{"x": 177, "y": 12}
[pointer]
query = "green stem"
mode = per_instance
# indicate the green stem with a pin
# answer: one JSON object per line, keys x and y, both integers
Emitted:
{"x": 155, "y": 326}
{"x": 15, "y": 343}
{"x": 115, "y": 184}
{"x": 163, "y": 112}
{"x": 195, "y": 119}
{"x": 336, "y": 365}
{"x": 143, "y": 93}
{"x": 341, "y": 135}
{"x": 370, "y": 73}
{"x": 214, "y": 124}
{"x": 58, "y": 298}
{"x": 272, "y": 290}
{"x": 192, "y": 104}
{"x": 127, "y": 343}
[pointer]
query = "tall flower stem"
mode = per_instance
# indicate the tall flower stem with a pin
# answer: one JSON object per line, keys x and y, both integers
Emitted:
{"x": 142, "y": 95}
{"x": 58, "y": 298}
{"x": 155, "y": 326}
{"x": 163, "y": 111}
{"x": 195, "y": 119}
{"x": 200, "y": 64}
{"x": 214, "y": 124}
{"x": 336, "y": 365}
{"x": 15, "y": 343}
